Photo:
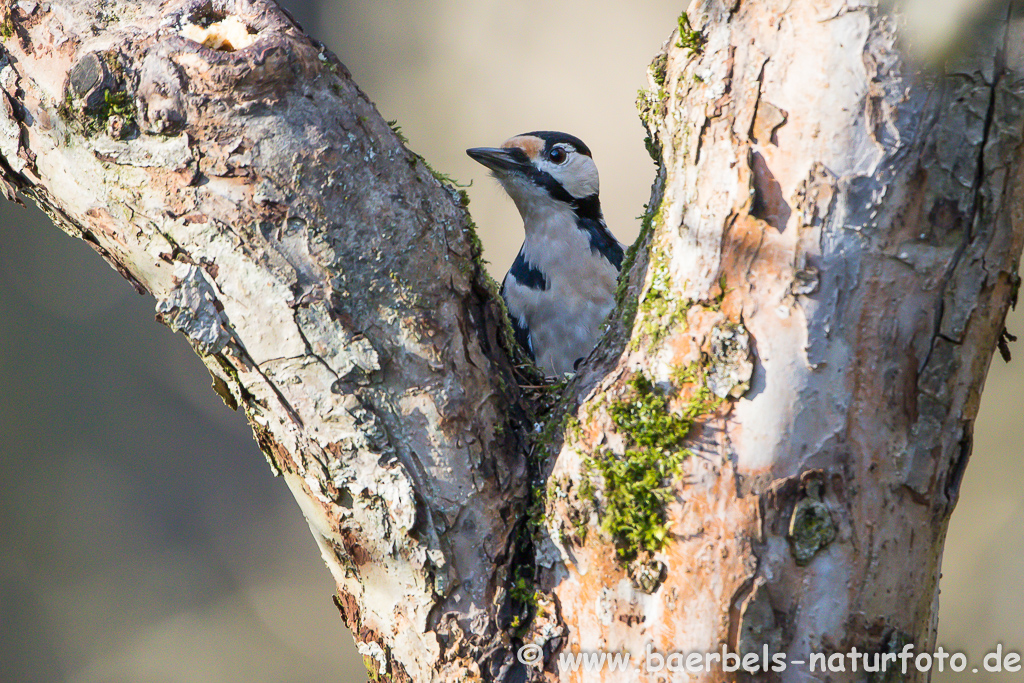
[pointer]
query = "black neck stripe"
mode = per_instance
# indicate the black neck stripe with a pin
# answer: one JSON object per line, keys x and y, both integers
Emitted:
{"x": 601, "y": 239}
{"x": 589, "y": 206}
{"x": 588, "y": 218}
{"x": 526, "y": 274}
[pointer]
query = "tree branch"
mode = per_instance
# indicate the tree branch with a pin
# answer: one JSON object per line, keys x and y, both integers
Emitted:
{"x": 329, "y": 281}
{"x": 834, "y": 237}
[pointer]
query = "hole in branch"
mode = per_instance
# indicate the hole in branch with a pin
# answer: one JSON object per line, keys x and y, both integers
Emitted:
{"x": 218, "y": 31}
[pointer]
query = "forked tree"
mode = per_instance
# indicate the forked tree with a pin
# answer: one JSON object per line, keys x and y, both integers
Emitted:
{"x": 763, "y": 452}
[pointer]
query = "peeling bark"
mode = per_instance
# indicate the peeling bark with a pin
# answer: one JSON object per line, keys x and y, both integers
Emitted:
{"x": 763, "y": 452}
{"x": 324, "y": 275}
{"x": 860, "y": 218}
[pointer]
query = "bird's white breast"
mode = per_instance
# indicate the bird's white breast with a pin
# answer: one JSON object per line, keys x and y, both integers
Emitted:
{"x": 565, "y": 319}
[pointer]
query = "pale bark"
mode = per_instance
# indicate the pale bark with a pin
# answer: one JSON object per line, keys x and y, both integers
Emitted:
{"x": 864, "y": 220}
{"x": 833, "y": 246}
{"x": 325, "y": 276}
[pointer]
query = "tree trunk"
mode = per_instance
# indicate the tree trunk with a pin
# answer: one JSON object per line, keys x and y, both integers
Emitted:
{"x": 761, "y": 455}
{"x": 834, "y": 238}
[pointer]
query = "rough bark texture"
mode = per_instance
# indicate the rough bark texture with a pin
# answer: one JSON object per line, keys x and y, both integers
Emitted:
{"x": 762, "y": 453}
{"x": 327, "y": 279}
{"x": 851, "y": 226}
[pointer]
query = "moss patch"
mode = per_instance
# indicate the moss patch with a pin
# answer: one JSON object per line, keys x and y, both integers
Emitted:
{"x": 624, "y": 303}
{"x": 646, "y": 419}
{"x": 659, "y": 308}
{"x": 659, "y": 69}
{"x": 635, "y": 495}
{"x": 117, "y": 104}
{"x": 690, "y": 39}
{"x": 397, "y": 130}
{"x": 637, "y": 484}
{"x": 649, "y": 107}
{"x": 96, "y": 118}
{"x": 471, "y": 232}
{"x": 524, "y": 595}
{"x": 702, "y": 401}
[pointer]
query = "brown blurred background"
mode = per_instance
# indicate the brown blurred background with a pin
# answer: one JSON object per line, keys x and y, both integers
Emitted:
{"x": 142, "y": 536}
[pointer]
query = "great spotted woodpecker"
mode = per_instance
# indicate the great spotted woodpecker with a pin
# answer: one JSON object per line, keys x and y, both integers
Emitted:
{"x": 561, "y": 286}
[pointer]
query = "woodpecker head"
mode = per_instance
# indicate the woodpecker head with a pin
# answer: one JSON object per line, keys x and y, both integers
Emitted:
{"x": 542, "y": 169}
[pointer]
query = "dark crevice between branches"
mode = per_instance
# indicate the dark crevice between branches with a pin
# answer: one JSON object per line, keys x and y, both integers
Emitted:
{"x": 526, "y": 396}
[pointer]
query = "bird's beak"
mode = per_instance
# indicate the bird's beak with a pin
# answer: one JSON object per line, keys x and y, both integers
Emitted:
{"x": 496, "y": 158}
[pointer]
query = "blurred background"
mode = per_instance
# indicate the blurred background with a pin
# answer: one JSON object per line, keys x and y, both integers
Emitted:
{"x": 142, "y": 536}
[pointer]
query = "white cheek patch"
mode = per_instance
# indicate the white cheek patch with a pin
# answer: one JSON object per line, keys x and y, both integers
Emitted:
{"x": 578, "y": 175}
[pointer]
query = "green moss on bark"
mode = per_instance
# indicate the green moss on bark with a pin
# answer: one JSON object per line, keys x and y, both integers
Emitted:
{"x": 637, "y": 484}
{"x": 690, "y": 39}
{"x": 659, "y": 308}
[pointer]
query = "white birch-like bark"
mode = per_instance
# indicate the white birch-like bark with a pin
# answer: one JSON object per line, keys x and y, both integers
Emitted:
{"x": 832, "y": 246}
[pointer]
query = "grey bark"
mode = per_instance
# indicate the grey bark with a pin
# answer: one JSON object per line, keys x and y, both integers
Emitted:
{"x": 830, "y": 251}
{"x": 329, "y": 281}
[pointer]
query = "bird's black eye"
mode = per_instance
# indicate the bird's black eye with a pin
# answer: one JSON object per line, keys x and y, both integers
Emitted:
{"x": 558, "y": 155}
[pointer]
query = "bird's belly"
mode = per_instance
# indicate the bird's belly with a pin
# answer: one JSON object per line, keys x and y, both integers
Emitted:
{"x": 563, "y": 304}
{"x": 565, "y": 328}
